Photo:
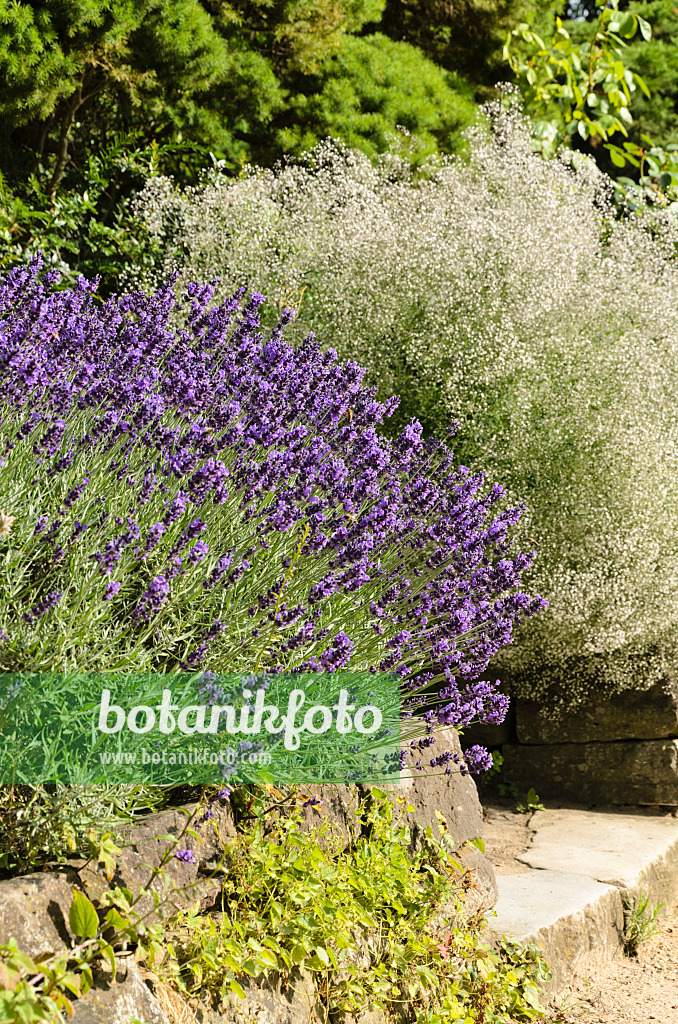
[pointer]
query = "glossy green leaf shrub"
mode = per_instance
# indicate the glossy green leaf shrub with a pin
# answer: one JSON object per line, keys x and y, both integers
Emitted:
{"x": 586, "y": 86}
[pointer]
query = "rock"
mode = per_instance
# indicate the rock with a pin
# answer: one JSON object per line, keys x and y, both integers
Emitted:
{"x": 146, "y": 843}
{"x": 373, "y": 1015}
{"x": 476, "y": 888}
{"x": 267, "y": 1001}
{"x": 491, "y": 736}
{"x": 635, "y": 772}
{"x": 34, "y": 911}
{"x": 121, "y": 1001}
{"x": 454, "y": 795}
{"x": 651, "y": 714}
{"x": 480, "y": 885}
{"x": 338, "y": 804}
{"x": 574, "y": 920}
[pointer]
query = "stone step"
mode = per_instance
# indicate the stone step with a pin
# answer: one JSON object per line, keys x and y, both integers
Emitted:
{"x": 582, "y": 867}
{"x": 574, "y": 920}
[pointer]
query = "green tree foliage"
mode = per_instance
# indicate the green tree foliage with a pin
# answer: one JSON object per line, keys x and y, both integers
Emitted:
{"x": 75, "y": 70}
{"x": 234, "y": 77}
{"x": 87, "y": 86}
{"x": 466, "y": 35}
{"x": 372, "y": 84}
{"x": 582, "y": 87}
{"x": 651, "y": 53}
{"x": 657, "y": 61}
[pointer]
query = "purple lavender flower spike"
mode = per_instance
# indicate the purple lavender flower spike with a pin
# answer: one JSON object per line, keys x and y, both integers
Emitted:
{"x": 187, "y": 856}
{"x": 41, "y": 607}
{"x": 248, "y": 480}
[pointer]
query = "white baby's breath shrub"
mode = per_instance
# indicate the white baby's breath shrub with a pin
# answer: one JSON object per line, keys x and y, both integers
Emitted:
{"x": 500, "y": 291}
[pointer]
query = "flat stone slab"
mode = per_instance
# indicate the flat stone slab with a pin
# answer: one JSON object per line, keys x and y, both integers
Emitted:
{"x": 583, "y": 866}
{"x": 573, "y": 919}
{"x": 630, "y": 851}
{"x": 631, "y": 772}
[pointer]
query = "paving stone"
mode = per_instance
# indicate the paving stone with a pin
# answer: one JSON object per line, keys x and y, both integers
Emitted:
{"x": 574, "y": 920}
{"x": 632, "y": 772}
{"x": 650, "y": 714}
{"x": 632, "y": 852}
{"x": 34, "y": 911}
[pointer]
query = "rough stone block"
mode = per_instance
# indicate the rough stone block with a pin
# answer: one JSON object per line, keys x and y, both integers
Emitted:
{"x": 145, "y": 844}
{"x": 338, "y": 804}
{"x": 476, "y": 886}
{"x": 267, "y": 1001}
{"x": 480, "y": 885}
{"x": 119, "y": 1001}
{"x": 635, "y": 772}
{"x": 34, "y": 911}
{"x": 573, "y": 919}
{"x": 490, "y": 736}
{"x": 651, "y": 714}
{"x": 454, "y": 795}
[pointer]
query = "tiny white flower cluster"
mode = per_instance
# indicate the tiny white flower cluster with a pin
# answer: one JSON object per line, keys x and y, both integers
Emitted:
{"x": 501, "y": 291}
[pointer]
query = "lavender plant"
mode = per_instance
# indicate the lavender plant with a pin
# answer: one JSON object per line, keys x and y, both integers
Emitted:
{"x": 182, "y": 493}
{"x": 505, "y": 292}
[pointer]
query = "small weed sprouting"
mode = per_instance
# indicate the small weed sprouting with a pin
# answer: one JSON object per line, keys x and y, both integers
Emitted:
{"x": 532, "y": 803}
{"x": 640, "y": 921}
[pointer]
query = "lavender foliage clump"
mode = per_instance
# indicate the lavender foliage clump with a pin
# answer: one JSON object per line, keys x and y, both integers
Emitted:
{"x": 242, "y": 510}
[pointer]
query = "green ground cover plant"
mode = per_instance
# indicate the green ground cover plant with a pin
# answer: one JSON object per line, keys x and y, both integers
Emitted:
{"x": 305, "y": 899}
{"x": 374, "y": 924}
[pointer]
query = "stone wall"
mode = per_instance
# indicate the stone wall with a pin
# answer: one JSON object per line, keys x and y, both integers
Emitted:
{"x": 611, "y": 750}
{"x": 34, "y": 909}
